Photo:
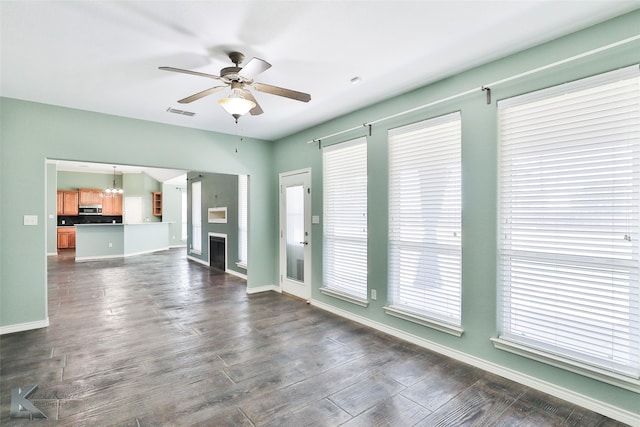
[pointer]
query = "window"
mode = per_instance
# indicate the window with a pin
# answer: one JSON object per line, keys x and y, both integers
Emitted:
{"x": 184, "y": 214}
{"x": 196, "y": 217}
{"x": 344, "y": 169}
{"x": 569, "y": 209}
{"x": 425, "y": 223}
{"x": 243, "y": 218}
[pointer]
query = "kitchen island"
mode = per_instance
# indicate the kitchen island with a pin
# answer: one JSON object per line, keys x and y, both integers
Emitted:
{"x": 100, "y": 241}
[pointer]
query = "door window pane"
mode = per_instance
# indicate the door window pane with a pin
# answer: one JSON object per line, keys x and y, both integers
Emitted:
{"x": 294, "y": 198}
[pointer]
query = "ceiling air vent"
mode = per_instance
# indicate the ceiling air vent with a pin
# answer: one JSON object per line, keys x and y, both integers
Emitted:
{"x": 182, "y": 112}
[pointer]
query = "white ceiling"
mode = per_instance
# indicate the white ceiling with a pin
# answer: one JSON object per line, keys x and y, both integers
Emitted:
{"x": 167, "y": 176}
{"x": 104, "y": 56}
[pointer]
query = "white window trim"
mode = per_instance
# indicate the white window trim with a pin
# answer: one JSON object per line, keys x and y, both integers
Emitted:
{"x": 536, "y": 352}
{"x": 344, "y": 296}
{"x": 243, "y": 221}
{"x": 406, "y": 313}
{"x": 194, "y": 216}
{"x": 575, "y": 366}
{"x": 347, "y": 177}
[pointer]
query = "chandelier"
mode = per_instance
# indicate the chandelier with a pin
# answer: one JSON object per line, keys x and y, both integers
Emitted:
{"x": 113, "y": 189}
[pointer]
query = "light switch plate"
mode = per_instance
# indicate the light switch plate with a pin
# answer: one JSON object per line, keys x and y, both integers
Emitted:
{"x": 31, "y": 220}
{"x": 315, "y": 219}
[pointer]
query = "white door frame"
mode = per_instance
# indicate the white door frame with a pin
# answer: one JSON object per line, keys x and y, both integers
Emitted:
{"x": 300, "y": 289}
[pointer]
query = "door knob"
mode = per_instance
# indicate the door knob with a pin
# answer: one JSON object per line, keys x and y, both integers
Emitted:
{"x": 304, "y": 243}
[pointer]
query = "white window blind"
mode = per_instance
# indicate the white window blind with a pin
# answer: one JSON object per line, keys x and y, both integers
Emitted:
{"x": 243, "y": 218}
{"x": 344, "y": 171}
{"x": 183, "y": 208}
{"x": 425, "y": 222}
{"x": 569, "y": 214}
{"x": 196, "y": 217}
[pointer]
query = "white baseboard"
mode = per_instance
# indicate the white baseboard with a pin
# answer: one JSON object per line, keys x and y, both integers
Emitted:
{"x": 19, "y": 327}
{"x": 235, "y": 273}
{"x": 189, "y": 257}
{"x": 97, "y": 258}
{"x": 590, "y": 403}
{"x": 184, "y": 245}
{"x": 52, "y": 253}
{"x": 147, "y": 252}
{"x": 267, "y": 288}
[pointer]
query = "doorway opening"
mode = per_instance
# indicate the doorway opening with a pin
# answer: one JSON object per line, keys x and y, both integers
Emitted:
{"x": 295, "y": 233}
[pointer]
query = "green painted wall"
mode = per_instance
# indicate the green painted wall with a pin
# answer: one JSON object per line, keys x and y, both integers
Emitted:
{"x": 33, "y": 132}
{"x": 172, "y": 212}
{"x": 150, "y": 186}
{"x": 74, "y": 180}
{"x": 141, "y": 238}
{"x": 218, "y": 190}
{"x": 105, "y": 241}
{"x": 142, "y": 185}
{"x": 479, "y": 152}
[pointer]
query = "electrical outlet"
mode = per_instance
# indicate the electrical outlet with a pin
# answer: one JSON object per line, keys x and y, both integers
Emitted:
{"x": 110, "y": 244}
{"x": 374, "y": 294}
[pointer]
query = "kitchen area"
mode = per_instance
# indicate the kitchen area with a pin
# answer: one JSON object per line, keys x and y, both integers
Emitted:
{"x": 102, "y": 214}
{"x": 85, "y": 206}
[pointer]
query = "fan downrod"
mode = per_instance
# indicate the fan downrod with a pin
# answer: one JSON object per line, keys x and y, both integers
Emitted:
{"x": 236, "y": 58}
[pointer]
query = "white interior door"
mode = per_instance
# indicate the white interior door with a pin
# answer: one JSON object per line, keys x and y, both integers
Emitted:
{"x": 295, "y": 233}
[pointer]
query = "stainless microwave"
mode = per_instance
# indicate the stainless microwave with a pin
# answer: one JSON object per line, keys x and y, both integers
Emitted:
{"x": 90, "y": 210}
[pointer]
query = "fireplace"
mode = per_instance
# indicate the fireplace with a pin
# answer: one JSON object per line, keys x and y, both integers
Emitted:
{"x": 217, "y": 252}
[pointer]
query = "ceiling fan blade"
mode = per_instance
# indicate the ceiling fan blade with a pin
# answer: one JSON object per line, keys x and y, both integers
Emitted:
{"x": 202, "y": 94}
{"x": 194, "y": 73}
{"x": 287, "y": 93}
{"x": 255, "y": 110}
{"x": 254, "y": 67}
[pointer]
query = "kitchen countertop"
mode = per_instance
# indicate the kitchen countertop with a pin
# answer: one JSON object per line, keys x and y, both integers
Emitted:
{"x": 108, "y": 240}
{"x": 106, "y": 223}
{"x": 120, "y": 223}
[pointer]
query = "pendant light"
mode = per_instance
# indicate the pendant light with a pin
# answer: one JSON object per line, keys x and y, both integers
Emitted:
{"x": 113, "y": 189}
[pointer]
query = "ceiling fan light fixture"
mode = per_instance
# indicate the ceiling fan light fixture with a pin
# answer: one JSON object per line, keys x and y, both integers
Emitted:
{"x": 240, "y": 101}
{"x": 236, "y": 104}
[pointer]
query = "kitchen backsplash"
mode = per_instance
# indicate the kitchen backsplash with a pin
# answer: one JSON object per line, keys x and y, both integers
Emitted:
{"x": 89, "y": 219}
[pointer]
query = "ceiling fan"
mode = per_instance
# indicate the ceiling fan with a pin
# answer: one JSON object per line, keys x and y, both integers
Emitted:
{"x": 241, "y": 101}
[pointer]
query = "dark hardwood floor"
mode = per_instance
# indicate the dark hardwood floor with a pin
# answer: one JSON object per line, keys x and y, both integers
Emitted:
{"x": 156, "y": 340}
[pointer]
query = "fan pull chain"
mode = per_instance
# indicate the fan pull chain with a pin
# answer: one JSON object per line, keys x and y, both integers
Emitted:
{"x": 239, "y": 134}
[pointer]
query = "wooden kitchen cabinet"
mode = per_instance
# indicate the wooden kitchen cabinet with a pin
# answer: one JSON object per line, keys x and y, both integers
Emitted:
{"x": 90, "y": 196}
{"x": 60, "y": 203}
{"x": 66, "y": 238}
{"x": 67, "y": 202}
{"x": 156, "y": 203}
{"x": 112, "y": 204}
